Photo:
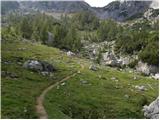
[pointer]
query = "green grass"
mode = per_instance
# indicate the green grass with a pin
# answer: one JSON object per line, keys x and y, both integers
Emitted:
{"x": 20, "y": 93}
{"x": 97, "y": 99}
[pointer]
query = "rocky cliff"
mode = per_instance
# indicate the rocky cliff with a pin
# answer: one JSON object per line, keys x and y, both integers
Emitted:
{"x": 117, "y": 10}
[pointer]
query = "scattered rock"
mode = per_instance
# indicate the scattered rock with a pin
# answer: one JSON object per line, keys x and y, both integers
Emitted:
{"x": 140, "y": 88}
{"x": 69, "y": 53}
{"x": 13, "y": 75}
{"x": 152, "y": 111}
{"x": 132, "y": 90}
{"x": 7, "y": 62}
{"x": 117, "y": 87}
{"x": 109, "y": 56}
{"x": 135, "y": 78}
{"x": 126, "y": 96}
{"x": 94, "y": 52}
{"x": 63, "y": 84}
{"x": 19, "y": 63}
{"x": 84, "y": 81}
{"x": 9, "y": 74}
{"x": 125, "y": 60}
{"x": 156, "y": 76}
{"x": 21, "y": 49}
{"x": 44, "y": 73}
{"x": 116, "y": 80}
{"x": 113, "y": 78}
{"x": 39, "y": 66}
{"x": 25, "y": 109}
{"x": 93, "y": 67}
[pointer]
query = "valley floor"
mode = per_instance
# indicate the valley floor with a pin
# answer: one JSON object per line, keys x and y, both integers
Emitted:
{"x": 105, "y": 93}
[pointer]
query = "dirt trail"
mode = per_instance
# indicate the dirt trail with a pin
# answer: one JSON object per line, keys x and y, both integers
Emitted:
{"x": 42, "y": 114}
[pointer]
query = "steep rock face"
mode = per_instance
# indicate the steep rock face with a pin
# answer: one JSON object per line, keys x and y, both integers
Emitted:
{"x": 152, "y": 111}
{"x": 57, "y": 6}
{"x": 122, "y": 11}
{"x": 117, "y": 10}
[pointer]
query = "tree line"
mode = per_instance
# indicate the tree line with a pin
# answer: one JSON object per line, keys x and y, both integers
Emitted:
{"x": 140, "y": 38}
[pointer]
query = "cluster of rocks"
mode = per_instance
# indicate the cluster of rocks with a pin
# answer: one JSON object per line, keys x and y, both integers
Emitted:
{"x": 92, "y": 50}
{"x": 110, "y": 59}
{"x": 152, "y": 111}
{"x": 39, "y": 66}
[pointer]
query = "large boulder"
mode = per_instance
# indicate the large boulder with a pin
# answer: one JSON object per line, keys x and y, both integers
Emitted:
{"x": 39, "y": 66}
{"x": 146, "y": 69}
{"x": 152, "y": 111}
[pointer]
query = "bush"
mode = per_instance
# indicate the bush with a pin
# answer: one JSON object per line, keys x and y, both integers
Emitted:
{"x": 150, "y": 53}
{"x": 86, "y": 21}
{"x": 107, "y": 30}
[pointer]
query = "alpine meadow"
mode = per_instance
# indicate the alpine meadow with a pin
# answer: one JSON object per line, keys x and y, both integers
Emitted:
{"x": 70, "y": 60}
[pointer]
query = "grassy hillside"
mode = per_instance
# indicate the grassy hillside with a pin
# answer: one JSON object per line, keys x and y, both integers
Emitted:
{"x": 20, "y": 89}
{"x": 99, "y": 97}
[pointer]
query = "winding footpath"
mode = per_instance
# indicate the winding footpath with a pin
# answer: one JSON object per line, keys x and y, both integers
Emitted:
{"x": 40, "y": 109}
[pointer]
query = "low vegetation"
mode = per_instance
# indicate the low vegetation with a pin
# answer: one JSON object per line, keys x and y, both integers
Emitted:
{"x": 103, "y": 93}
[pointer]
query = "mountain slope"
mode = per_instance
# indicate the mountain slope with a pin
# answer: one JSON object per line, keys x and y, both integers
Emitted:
{"x": 117, "y": 10}
{"x": 121, "y": 11}
{"x": 57, "y": 6}
{"x": 105, "y": 93}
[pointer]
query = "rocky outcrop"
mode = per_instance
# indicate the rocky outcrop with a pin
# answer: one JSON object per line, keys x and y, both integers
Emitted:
{"x": 146, "y": 69}
{"x": 152, "y": 111}
{"x": 124, "y": 10}
{"x": 39, "y": 66}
